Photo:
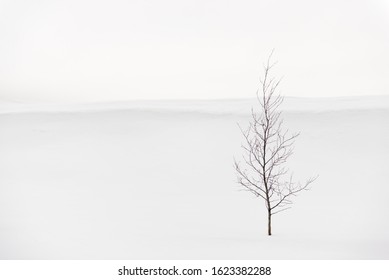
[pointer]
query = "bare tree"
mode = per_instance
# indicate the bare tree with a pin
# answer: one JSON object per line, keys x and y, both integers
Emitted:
{"x": 266, "y": 149}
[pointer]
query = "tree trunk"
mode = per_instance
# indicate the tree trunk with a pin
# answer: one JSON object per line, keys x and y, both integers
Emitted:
{"x": 269, "y": 223}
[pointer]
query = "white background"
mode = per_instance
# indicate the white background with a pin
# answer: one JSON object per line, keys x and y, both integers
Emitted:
{"x": 84, "y": 50}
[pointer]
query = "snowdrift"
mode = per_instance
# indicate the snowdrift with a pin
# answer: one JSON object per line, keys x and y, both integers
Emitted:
{"x": 155, "y": 180}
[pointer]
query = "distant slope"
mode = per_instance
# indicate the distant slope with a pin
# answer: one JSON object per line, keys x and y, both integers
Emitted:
{"x": 227, "y": 106}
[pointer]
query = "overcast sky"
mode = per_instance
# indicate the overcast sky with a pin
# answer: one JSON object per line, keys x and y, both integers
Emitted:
{"x": 100, "y": 50}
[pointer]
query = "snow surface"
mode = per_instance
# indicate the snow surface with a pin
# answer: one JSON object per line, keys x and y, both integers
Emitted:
{"x": 155, "y": 180}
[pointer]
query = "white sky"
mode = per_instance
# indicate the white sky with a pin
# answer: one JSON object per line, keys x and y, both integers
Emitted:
{"x": 102, "y": 50}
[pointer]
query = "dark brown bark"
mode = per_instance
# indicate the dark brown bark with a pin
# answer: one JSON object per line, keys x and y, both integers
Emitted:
{"x": 269, "y": 223}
